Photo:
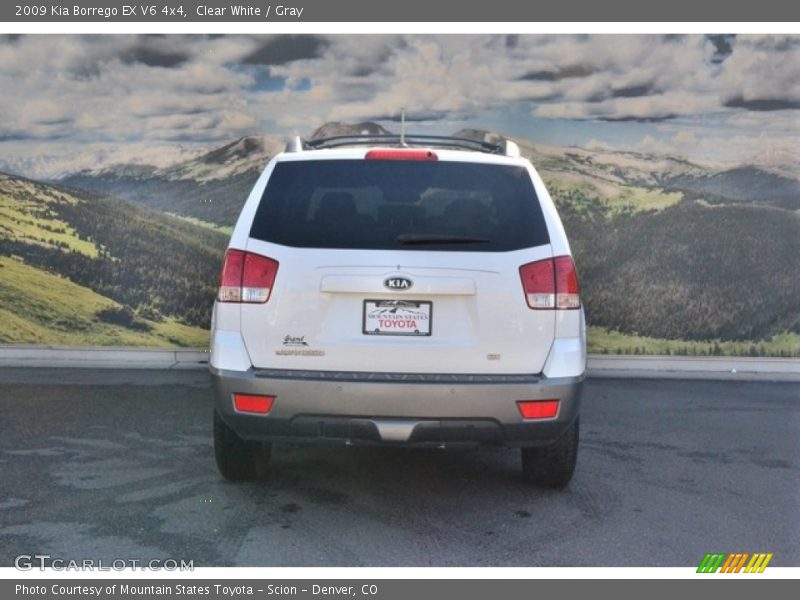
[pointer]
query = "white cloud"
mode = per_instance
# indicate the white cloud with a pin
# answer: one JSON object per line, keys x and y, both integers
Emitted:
{"x": 764, "y": 149}
{"x": 597, "y": 145}
{"x": 762, "y": 67}
{"x": 159, "y": 89}
{"x": 685, "y": 137}
{"x": 53, "y": 159}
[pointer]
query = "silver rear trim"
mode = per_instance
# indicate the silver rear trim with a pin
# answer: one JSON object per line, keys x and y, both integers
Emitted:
{"x": 369, "y": 376}
{"x": 394, "y": 430}
{"x": 407, "y": 411}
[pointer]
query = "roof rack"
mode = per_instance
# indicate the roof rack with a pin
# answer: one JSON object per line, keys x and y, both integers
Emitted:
{"x": 507, "y": 147}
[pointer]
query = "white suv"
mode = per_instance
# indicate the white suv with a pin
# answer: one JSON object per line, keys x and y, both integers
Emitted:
{"x": 409, "y": 290}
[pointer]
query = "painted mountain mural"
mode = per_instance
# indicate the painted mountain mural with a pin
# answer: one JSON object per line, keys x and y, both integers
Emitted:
{"x": 675, "y": 257}
{"x": 674, "y": 161}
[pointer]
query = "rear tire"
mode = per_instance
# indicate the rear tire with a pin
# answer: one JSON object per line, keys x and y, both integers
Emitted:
{"x": 238, "y": 459}
{"x": 552, "y": 466}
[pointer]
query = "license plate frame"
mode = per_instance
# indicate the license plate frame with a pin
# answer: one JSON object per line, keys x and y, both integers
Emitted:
{"x": 416, "y": 311}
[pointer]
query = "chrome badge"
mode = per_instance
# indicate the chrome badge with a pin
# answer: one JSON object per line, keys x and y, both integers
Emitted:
{"x": 397, "y": 283}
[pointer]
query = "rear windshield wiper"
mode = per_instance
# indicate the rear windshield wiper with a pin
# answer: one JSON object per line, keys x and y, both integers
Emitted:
{"x": 437, "y": 238}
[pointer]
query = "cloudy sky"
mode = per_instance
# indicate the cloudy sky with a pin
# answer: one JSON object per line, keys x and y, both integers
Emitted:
{"x": 73, "y": 101}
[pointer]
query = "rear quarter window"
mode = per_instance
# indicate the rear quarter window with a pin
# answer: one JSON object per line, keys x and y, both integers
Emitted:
{"x": 391, "y": 204}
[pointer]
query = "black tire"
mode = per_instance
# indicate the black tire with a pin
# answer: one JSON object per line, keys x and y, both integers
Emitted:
{"x": 552, "y": 466}
{"x": 238, "y": 459}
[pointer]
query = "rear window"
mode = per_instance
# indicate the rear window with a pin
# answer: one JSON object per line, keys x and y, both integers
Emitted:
{"x": 393, "y": 204}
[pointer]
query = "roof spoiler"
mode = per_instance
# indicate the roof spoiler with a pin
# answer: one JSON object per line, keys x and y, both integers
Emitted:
{"x": 505, "y": 148}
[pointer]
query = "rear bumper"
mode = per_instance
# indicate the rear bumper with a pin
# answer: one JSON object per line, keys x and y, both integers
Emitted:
{"x": 411, "y": 409}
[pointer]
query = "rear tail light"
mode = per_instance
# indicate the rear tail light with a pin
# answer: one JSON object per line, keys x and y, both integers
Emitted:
{"x": 538, "y": 409}
{"x": 401, "y": 154}
{"x": 246, "y": 277}
{"x": 253, "y": 403}
{"x": 551, "y": 284}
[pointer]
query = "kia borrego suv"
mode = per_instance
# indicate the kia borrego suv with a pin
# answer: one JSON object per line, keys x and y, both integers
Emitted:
{"x": 405, "y": 290}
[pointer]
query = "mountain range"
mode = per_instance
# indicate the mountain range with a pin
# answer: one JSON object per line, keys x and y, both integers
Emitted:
{"x": 213, "y": 186}
{"x": 668, "y": 249}
{"x": 771, "y": 179}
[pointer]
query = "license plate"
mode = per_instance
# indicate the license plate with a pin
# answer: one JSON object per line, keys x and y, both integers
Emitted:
{"x": 397, "y": 317}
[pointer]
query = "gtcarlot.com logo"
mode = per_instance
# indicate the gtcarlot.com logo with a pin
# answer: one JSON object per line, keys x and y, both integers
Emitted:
{"x": 27, "y": 562}
{"x": 735, "y": 562}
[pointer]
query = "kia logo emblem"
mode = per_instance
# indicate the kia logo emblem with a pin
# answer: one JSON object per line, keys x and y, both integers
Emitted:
{"x": 397, "y": 283}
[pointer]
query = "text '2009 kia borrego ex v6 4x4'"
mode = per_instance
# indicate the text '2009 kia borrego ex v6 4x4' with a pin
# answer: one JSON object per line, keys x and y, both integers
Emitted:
{"x": 409, "y": 291}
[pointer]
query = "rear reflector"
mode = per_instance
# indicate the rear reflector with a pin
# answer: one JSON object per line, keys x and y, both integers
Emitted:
{"x": 551, "y": 283}
{"x": 401, "y": 154}
{"x": 538, "y": 409}
{"x": 253, "y": 403}
{"x": 246, "y": 277}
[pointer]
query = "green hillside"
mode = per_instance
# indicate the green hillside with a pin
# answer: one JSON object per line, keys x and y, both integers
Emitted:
{"x": 690, "y": 272}
{"x": 37, "y": 307}
{"x": 604, "y": 341}
{"x": 615, "y": 197}
{"x": 84, "y": 269}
